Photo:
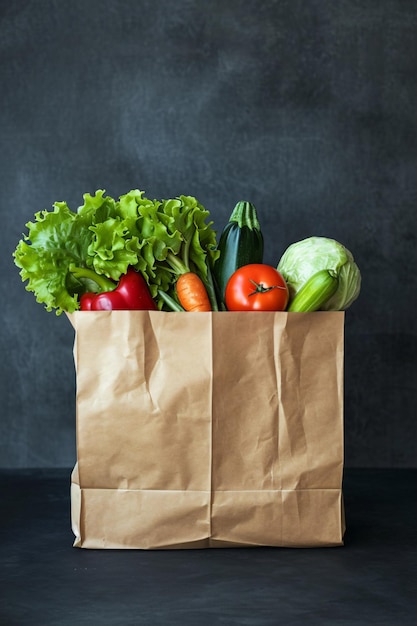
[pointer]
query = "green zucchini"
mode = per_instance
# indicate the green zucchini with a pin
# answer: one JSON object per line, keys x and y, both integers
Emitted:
{"x": 240, "y": 243}
{"x": 318, "y": 289}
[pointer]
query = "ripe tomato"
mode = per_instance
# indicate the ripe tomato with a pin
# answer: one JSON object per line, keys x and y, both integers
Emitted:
{"x": 256, "y": 287}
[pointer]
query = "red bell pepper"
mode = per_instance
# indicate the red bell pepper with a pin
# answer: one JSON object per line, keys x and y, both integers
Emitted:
{"x": 132, "y": 293}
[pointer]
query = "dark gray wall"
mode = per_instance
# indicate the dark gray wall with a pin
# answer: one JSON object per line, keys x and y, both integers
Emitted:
{"x": 306, "y": 108}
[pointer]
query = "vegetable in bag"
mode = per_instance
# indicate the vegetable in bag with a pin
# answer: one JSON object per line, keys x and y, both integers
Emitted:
{"x": 241, "y": 243}
{"x": 304, "y": 259}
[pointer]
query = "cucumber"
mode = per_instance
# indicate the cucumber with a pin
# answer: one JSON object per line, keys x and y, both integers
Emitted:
{"x": 315, "y": 292}
{"x": 241, "y": 243}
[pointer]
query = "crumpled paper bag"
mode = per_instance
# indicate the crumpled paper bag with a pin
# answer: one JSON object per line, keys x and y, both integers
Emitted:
{"x": 200, "y": 430}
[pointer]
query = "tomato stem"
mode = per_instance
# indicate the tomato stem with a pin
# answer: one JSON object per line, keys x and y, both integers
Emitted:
{"x": 259, "y": 288}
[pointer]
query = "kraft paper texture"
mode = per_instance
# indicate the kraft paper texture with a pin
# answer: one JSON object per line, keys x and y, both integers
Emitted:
{"x": 200, "y": 430}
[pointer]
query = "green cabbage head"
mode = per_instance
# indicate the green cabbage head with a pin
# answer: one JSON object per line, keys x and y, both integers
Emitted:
{"x": 304, "y": 258}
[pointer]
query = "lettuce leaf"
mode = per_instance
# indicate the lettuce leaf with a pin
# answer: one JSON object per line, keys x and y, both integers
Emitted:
{"x": 56, "y": 239}
{"x": 176, "y": 238}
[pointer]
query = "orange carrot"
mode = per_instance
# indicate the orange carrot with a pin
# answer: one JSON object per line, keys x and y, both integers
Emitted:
{"x": 192, "y": 293}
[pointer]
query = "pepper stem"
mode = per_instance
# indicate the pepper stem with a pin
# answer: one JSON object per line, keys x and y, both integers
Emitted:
{"x": 104, "y": 283}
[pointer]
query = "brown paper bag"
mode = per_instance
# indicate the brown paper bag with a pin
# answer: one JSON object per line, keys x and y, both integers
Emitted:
{"x": 203, "y": 430}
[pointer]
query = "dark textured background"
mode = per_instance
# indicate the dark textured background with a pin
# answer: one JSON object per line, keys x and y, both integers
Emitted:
{"x": 306, "y": 108}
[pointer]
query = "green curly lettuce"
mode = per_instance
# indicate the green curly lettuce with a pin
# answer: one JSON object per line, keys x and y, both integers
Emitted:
{"x": 56, "y": 239}
{"x": 67, "y": 253}
{"x": 174, "y": 237}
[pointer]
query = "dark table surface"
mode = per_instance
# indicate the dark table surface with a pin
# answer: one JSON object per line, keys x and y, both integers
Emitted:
{"x": 372, "y": 579}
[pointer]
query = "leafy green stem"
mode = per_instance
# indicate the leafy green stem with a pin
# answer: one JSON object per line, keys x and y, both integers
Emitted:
{"x": 179, "y": 266}
{"x": 211, "y": 289}
{"x": 170, "y": 302}
{"x": 186, "y": 251}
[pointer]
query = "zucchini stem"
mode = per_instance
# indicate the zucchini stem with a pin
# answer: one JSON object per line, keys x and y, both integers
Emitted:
{"x": 245, "y": 214}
